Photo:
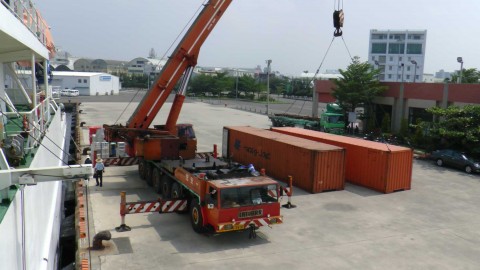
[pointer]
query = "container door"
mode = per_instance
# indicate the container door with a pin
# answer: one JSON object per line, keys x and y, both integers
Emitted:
{"x": 225, "y": 143}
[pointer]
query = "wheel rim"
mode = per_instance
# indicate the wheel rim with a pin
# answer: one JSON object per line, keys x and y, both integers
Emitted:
{"x": 195, "y": 215}
{"x": 165, "y": 188}
{"x": 176, "y": 191}
{"x": 141, "y": 169}
{"x": 175, "y": 194}
{"x": 156, "y": 180}
{"x": 468, "y": 169}
{"x": 148, "y": 174}
{"x": 439, "y": 162}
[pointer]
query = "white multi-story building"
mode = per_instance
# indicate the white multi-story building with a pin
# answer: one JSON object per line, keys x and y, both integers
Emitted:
{"x": 399, "y": 54}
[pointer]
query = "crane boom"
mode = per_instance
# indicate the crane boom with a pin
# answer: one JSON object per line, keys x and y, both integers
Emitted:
{"x": 185, "y": 56}
{"x": 170, "y": 140}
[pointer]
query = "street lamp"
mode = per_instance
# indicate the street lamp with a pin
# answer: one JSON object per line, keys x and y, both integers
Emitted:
{"x": 402, "y": 65}
{"x": 460, "y": 60}
{"x": 378, "y": 67}
{"x": 415, "y": 71}
{"x": 268, "y": 82}
{"x": 236, "y": 86}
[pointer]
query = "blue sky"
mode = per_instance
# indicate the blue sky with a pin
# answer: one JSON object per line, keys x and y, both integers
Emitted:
{"x": 295, "y": 34}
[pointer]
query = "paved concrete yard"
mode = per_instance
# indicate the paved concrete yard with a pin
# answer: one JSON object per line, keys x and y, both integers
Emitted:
{"x": 436, "y": 225}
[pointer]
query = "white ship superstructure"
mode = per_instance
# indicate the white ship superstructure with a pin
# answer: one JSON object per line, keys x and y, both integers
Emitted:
{"x": 32, "y": 135}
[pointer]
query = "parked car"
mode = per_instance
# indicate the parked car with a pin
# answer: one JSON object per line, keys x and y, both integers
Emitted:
{"x": 455, "y": 159}
{"x": 69, "y": 92}
{"x": 55, "y": 94}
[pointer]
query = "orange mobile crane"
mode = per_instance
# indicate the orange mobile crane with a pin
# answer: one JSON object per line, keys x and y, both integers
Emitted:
{"x": 221, "y": 196}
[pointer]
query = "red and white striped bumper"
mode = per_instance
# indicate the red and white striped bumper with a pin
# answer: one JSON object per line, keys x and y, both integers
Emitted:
{"x": 245, "y": 224}
{"x": 120, "y": 161}
{"x": 156, "y": 206}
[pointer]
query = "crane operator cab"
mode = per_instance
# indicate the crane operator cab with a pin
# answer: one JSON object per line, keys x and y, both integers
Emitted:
{"x": 187, "y": 141}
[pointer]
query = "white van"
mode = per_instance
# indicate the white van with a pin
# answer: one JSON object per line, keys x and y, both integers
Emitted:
{"x": 69, "y": 92}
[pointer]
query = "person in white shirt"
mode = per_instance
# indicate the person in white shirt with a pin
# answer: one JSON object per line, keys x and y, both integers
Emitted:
{"x": 99, "y": 170}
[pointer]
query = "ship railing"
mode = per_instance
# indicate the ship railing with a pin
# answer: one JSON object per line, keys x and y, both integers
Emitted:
{"x": 33, "y": 122}
{"x": 26, "y": 12}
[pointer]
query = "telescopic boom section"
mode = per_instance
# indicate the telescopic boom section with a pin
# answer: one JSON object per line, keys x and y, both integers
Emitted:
{"x": 185, "y": 56}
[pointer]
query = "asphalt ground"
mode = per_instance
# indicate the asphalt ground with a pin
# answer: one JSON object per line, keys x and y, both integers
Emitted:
{"x": 435, "y": 225}
{"x": 280, "y": 105}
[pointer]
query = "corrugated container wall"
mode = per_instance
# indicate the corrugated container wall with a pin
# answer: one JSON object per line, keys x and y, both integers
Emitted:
{"x": 315, "y": 167}
{"x": 370, "y": 164}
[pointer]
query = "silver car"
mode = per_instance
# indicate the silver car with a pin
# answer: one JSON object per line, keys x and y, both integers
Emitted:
{"x": 455, "y": 159}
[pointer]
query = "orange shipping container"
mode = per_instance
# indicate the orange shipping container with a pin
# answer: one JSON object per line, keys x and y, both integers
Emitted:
{"x": 370, "y": 164}
{"x": 315, "y": 167}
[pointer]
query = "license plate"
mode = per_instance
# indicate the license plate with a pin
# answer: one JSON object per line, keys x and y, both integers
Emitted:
{"x": 238, "y": 227}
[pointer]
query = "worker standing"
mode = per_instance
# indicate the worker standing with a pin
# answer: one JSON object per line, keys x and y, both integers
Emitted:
{"x": 99, "y": 170}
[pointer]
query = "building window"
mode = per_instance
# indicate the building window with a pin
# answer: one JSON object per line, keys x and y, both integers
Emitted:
{"x": 379, "y": 47}
{"x": 408, "y": 77}
{"x": 389, "y": 76}
{"x": 379, "y": 36}
{"x": 391, "y": 58}
{"x": 396, "y": 48}
{"x": 415, "y": 37}
{"x": 373, "y": 58}
{"x": 409, "y": 59}
{"x": 79, "y": 80}
{"x": 414, "y": 48}
{"x": 390, "y": 68}
{"x": 84, "y": 80}
{"x": 400, "y": 58}
{"x": 408, "y": 68}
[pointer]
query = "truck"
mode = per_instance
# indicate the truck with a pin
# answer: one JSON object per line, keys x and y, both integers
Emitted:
{"x": 220, "y": 195}
{"x": 333, "y": 119}
{"x": 330, "y": 121}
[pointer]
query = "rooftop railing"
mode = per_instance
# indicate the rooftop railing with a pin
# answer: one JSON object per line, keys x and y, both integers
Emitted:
{"x": 26, "y": 12}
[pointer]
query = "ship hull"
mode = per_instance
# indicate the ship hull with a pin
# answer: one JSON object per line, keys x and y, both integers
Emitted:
{"x": 42, "y": 206}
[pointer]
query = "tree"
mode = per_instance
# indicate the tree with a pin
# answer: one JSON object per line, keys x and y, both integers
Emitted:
{"x": 200, "y": 84}
{"x": 359, "y": 85}
{"x": 404, "y": 128}
{"x": 247, "y": 84}
{"x": 224, "y": 83}
{"x": 278, "y": 84}
{"x": 457, "y": 128}
{"x": 134, "y": 81}
{"x": 386, "y": 123}
{"x": 302, "y": 87}
{"x": 470, "y": 75}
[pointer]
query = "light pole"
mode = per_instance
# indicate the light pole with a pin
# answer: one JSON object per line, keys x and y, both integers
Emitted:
{"x": 268, "y": 82}
{"x": 460, "y": 60}
{"x": 378, "y": 67}
{"x": 236, "y": 86}
{"x": 402, "y": 65}
{"x": 415, "y": 71}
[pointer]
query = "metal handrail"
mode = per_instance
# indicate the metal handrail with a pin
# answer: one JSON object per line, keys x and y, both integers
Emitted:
{"x": 26, "y": 12}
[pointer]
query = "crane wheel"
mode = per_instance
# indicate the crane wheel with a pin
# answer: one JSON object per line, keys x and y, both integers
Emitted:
{"x": 196, "y": 217}
{"x": 141, "y": 169}
{"x": 148, "y": 173}
{"x": 166, "y": 183}
{"x": 176, "y": 192}
{"x": 157, "y": 180}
